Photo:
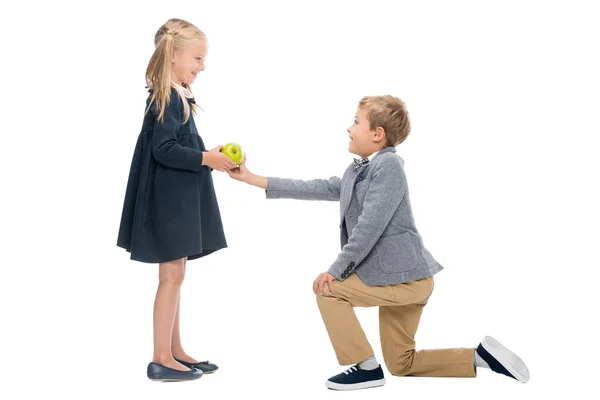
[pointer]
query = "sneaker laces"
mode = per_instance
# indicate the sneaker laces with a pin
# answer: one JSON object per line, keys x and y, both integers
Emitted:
{"x": 351, "y": 370}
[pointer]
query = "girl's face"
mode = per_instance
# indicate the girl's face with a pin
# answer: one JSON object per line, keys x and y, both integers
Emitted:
{"x": 188, "y": 62}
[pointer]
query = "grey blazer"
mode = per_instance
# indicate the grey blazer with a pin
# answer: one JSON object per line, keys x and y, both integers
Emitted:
{"x": 378, "y": 236}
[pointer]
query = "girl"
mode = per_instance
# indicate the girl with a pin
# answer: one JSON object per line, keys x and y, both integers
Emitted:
{"x": 170, "y": 213}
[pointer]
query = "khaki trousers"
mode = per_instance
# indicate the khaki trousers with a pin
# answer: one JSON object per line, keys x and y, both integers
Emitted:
{"x": 400, "y": 308}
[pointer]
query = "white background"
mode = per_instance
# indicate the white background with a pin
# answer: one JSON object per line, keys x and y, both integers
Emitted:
{"x": 502, "y": 167}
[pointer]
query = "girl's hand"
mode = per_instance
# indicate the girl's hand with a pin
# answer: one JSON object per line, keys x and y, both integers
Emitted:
{"x": 217, "y": 160}
{"x": 241, "y": 173}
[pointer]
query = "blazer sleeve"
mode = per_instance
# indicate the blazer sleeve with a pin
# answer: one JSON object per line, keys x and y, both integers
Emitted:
{"x": 165, "y": 148}
{"x": 382, "y": 199}
{"x": 315, "y": 189}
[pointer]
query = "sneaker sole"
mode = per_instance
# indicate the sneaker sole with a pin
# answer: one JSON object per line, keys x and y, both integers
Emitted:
{"x": 507, "y": 358}
{"x": 354, "y": 386}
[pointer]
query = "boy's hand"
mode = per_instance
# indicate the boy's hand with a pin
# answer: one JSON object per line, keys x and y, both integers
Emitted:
{"x": 241, "y": 173}
{"x": 217, "y": 160}
{"x": 319, "y": 283}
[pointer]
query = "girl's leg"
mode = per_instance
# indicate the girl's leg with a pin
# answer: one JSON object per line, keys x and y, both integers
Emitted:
{"x": 176, "y": 346}
{"x": 165, "y": 307}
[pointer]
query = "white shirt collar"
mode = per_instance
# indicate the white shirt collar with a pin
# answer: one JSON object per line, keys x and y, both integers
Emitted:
{"x": 372, "y": 155}
{"x": 183, "y": 90}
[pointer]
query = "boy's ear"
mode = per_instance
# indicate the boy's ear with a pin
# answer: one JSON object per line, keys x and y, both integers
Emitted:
{"x": 379, "y": 134}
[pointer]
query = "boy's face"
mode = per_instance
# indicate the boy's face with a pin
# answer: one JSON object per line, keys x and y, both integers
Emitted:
{"x": 363, "y": 140}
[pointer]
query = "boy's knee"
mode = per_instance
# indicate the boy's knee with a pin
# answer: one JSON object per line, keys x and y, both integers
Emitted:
{"x": 398, "y": 370}
{"x": 321, "y": 297}
{"x": 400, "y": 366}
{"x": 327, "y": 294}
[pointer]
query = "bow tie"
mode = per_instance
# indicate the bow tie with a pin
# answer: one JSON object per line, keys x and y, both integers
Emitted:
{"x": 359, "y": 163}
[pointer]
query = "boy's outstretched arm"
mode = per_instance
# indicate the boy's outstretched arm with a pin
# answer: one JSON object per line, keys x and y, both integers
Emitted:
{"x": 314, "y": 189}
{"x": 258, "y": 181}
{"x": 279, "y": 188}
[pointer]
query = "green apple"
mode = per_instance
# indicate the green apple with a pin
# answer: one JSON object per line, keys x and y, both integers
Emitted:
{"x": 233, "y": 151}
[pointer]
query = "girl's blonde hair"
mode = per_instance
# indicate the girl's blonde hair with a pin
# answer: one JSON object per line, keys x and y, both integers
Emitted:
{"x": 171, "y": 36}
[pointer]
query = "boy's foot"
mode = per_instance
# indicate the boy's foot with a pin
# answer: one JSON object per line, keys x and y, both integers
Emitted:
{"x": 158, "y": 372}
{"x": 356, "y": 378}
{"x": 502, "y": 360}
{"x": 204, "y": 366}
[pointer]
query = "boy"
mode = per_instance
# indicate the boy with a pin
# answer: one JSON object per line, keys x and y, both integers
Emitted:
{"x": 382, "y": 262}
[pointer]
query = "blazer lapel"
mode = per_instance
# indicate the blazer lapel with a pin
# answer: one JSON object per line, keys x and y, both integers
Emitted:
{"x": 348, "y": 190}
{"x": 350, "y": 181}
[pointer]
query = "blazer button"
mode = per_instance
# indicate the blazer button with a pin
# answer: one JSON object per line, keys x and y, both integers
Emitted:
{"x": 351, "y": 264}
{"x": 344, "y": 275}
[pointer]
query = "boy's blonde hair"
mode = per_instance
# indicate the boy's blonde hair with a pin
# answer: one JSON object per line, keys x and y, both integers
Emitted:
{"x": 171, "y": 36}
{"x": 390, "y": 113}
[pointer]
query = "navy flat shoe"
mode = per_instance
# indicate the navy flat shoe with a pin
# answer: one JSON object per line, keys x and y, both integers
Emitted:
{"x": 204, "y": 366}
{"x": 157, "y": 372}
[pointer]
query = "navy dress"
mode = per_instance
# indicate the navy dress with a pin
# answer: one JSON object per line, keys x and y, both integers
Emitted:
{"x": 170, "y": 209}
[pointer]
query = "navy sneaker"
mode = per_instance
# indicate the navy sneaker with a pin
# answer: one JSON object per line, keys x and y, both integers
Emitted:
{"x": 502, "y": 360}
{"x": 356, "y": 378}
